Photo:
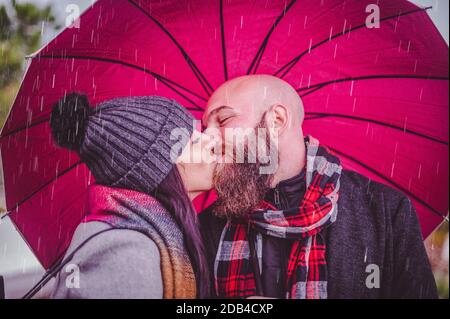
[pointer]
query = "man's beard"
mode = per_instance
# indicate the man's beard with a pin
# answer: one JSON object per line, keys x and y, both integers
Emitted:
{"x": 240, "y": 187}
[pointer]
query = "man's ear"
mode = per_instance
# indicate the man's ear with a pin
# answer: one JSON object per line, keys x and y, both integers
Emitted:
{"x": 280, "y": 118}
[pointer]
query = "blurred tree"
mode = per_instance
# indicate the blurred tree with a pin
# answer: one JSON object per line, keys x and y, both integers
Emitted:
{"x": 20, "y": 35}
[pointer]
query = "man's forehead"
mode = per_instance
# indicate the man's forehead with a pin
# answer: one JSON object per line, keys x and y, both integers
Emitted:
{"x": 233, "y": 95}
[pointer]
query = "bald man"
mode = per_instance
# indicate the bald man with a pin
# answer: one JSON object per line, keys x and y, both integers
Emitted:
{"x": 309, "y": 229}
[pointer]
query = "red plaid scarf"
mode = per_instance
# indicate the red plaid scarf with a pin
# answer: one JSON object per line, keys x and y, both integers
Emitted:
{"x": 307, "y": 267}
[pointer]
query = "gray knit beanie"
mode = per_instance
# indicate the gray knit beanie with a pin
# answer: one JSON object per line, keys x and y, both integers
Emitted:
{"x": 125, "y": 142}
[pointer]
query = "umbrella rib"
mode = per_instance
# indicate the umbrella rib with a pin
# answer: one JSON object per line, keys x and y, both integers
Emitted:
{"x": 224, "y": 49}
{"x": 317, "y": 115}
{"x": 198, "y": 74}
{"x": 17, "y": 130}
{"x": 45, "y": 120}
{"x": 159, "y": 77}
{"x": 422, "y": 202}
{"x": 59, "y": 175}
{"x": 258, "y": 57}
{"x": 318, "y": 86}
{"x": 288, "y": 66}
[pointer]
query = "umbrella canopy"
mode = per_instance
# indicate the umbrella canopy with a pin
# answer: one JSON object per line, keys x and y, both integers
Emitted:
{"x": 377, "y": 96}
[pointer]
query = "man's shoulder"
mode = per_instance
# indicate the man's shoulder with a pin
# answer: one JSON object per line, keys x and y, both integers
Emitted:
{"x": 363, "y": 200}
{"x": 362, "y": 187}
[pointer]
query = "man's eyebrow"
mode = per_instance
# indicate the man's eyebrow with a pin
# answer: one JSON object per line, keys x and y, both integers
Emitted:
{"x": 215, "y": 111}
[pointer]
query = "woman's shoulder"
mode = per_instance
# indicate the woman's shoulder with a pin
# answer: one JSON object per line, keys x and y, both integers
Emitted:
{"x": 110, "y": 263}
{"x": 99, "y": 237}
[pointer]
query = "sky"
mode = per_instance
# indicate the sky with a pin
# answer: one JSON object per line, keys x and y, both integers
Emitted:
{"x": 15, "y": 256}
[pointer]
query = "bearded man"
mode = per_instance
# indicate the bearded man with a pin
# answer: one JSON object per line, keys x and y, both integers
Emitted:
{"x": 309, "y": 229}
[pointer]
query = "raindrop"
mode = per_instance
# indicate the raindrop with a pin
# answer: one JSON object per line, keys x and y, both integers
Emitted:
{"x": 345, "y": 25}
{"x": 35, "y": 164}
{"x": 52, "y": 194}
{"x": 376, "y": 58}
{"x": 39, "y": 244}
{"x": 349, "y": 31}
{"x": 42, "y": 103}
{"x": 392, "y": 169}
{"x": 301, "y": 81}
{"x": 328, "y": 101}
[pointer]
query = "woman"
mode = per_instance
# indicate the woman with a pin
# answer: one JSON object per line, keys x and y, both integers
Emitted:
{"x": 140, "y": 237}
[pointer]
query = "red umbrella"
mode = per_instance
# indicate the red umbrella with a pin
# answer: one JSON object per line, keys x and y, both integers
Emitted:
{"x": 377, "y": 96}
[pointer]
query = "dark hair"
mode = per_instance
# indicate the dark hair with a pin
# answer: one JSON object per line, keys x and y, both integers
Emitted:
{"x": 172, "y": 194}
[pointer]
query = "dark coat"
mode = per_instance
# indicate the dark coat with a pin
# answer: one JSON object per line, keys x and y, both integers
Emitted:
{"x": 376, "y": 226}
